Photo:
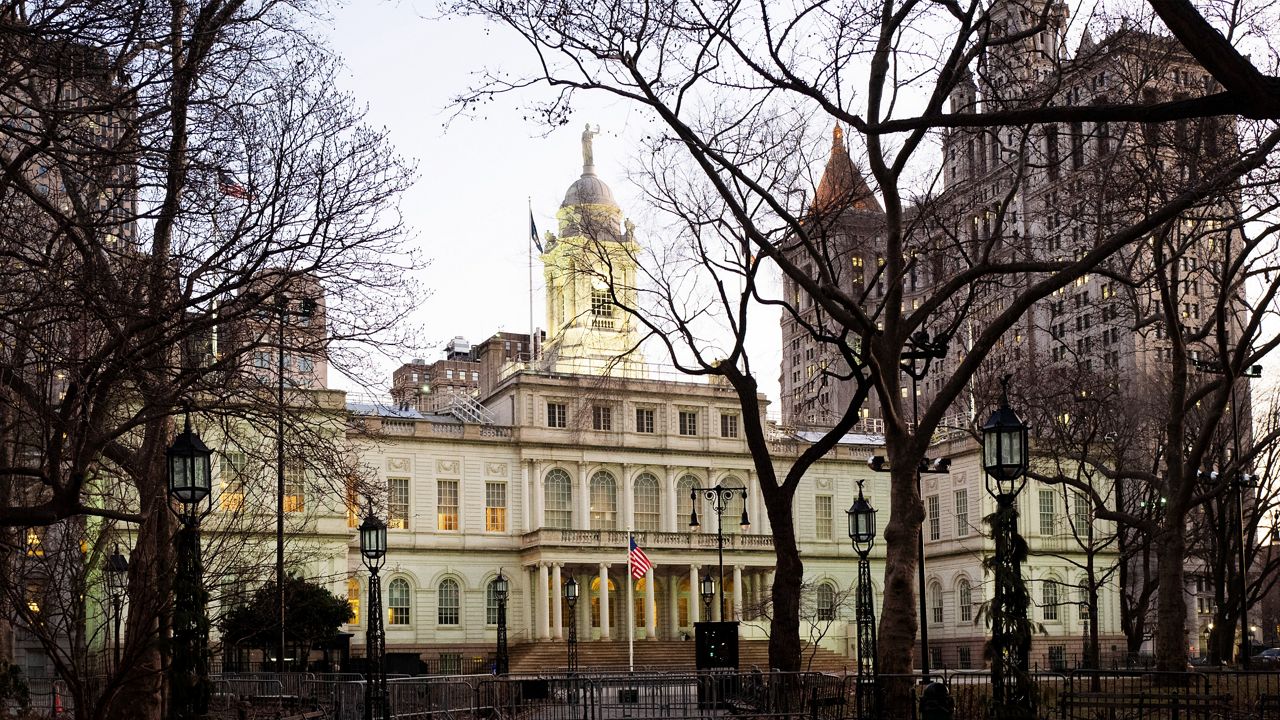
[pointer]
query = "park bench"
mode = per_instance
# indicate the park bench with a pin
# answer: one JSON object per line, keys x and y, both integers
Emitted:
{"x": 1168, "y": 704}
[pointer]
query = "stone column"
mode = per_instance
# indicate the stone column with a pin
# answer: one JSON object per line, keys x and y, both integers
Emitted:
{"x": 627, "y": 511}
{"x": 583, "y": 521}
{"x": 651, "y": 605}
{"x": 554, "y": 597}
{"x": 540, "y": 602}
{"x": 695, "y": 601}
{"x": 673, "y": 607}
{"x": 670, "y": 523}
{"x": 604, "y": 601}
{"x": 737, "y": 592}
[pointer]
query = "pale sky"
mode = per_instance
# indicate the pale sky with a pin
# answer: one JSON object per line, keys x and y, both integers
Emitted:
{"x": 469, "y": 208}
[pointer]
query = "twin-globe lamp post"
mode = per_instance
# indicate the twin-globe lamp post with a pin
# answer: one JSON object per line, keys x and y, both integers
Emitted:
{"x": 188, "y": 463}
{"x": 1004, "y": 458}
{"x": 373, "y": 549}
{"x": 719, "y": 497}
{"x": 862, "y": 531}
{"x": 571, "y": 599}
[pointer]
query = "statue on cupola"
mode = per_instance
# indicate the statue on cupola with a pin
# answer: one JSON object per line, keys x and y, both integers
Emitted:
{"x": 589, "y": 267}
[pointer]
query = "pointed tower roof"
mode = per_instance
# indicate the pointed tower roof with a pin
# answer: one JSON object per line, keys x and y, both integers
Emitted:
{"x": 842, "y": 186}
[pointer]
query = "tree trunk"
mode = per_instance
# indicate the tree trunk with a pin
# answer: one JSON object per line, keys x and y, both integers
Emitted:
{"x": 784, "y": 631}
{"x": 898, "y": 621}
{"x": 1171, "y": 632}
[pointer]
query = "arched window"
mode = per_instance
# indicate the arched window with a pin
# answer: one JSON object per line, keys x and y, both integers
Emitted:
{"x": 1050, "y": 597}
{"x": 398, "y": 602}
{"x": 964, "y": 593}
{"x": 558, "y": 500}
{"x": 604, "y": 501}
{"x": 1082, "y": 598}
{"x": 491, "y": 603}
{"x": 353, "y": 601}
{"x": 447, "y": 602}
{"x": 935, "y": 603}
{"x": 648, "y": 502}
{"x": 684, "y": 503}
{"x": 826, "y": 602}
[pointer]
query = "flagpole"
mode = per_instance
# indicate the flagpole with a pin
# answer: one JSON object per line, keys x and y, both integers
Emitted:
{"x": 533, "y": 342}
{"x": 631, "y": 611}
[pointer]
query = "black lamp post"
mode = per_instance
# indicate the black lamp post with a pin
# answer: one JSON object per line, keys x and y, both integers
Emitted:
{"x": 919, "y": 352}
{"x": 1004, "y": 457}
{"x": 500, "y": 589}
{"x": 862, "y": 531}
{"x": 571, "y": 599}
{"x": 188, "y": 461}
{"x": 719, "y": 497}
{"x": 117, "y": 568}
{"x": 373, "y": 549}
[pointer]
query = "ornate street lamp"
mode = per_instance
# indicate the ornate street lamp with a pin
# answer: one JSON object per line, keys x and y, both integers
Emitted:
{"x": 1004, "y": 457}
{"x": 862, "y": 531}
{"x": 117, "y": 570}
{"x": 188, "y": 462}
{"x": 373, "y": 550}
{"x": 571, "y": 599}
{"x": 707, "y": 589}
{"x": 500, "y": 590}
{"x": 719, "y": 497}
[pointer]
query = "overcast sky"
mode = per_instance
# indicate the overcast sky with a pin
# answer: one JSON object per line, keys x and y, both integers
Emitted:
{"x": 470, "y": 207}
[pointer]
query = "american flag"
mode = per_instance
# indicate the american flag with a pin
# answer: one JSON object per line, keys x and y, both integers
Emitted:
{"x": 640, "y": 563}
{"x": 228, "y": 186}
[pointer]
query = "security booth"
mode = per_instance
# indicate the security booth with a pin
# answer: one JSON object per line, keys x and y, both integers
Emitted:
{"x": 716, "y": 650}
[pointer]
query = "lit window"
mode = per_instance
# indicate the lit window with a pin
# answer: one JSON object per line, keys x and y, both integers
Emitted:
{"x": 398, "y": 503}
{"x": 648, "y": 503}
{"x": 231, "y": 484}
{"x": 294, "y": 478}
{"x": 556, "y": 415}
{"x": 558, "y": 499}
{"x": 446, "y": 504}
{"x": 447, "y": 602}
{"x": 398, "y": 602}
{"x": 604, "y": 501}
{"x": 353, "y": 600}
{"x": 495, "y": 507}
{"x": 822, "y": 516}
{"x": 34, "y": 546}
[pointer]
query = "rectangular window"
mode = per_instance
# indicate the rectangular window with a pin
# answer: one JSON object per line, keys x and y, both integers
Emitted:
{"x": 1080, "y": 513}
{"x": 644, "y": 420}
{"x": 728, "y": 426}
{"x": 962, "y": 513}
{"x": 294, "y": 477}
{"x": 966, "y": 658}
{"x": 688, "y": 422}
{"x": 495, "y": 507}
{"x": 822, "y": 516}
{"x": 231, "y": 497}
{"x": 353, "y": 601}
{"x": 1057, "y": 657}
{"x": 1046, "y": 512}
{"x": 557, "y": 417}
{"x": 601, "y": 310}
{"x": 602, "y": 417}
{"x": 398, "y": 503}
{"x": 447, "y": 505}
{"x": 935, "y": 518}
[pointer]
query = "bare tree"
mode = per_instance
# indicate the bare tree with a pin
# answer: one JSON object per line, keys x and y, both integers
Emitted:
{"x": 171, "y": 173}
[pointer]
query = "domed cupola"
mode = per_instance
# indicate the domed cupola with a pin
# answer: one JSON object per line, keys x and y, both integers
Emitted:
{"x": 589, "y": 209}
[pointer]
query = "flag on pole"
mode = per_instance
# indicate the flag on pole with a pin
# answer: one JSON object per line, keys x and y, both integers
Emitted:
{"x": 228, "y": 186}
{"x": 533, "y": 232}
{"x": 640, "y": 563}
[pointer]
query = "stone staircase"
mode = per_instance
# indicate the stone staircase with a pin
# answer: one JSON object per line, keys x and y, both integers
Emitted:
{"x": 551, "y": 656}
